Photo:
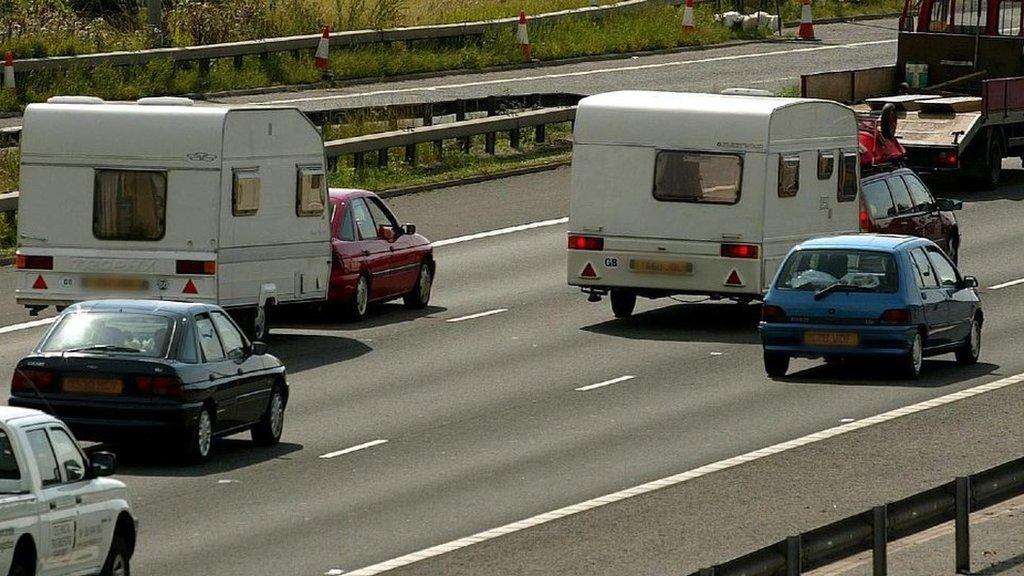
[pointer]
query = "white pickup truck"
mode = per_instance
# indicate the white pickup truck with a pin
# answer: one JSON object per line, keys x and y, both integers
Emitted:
{"x": 58, "y": 515}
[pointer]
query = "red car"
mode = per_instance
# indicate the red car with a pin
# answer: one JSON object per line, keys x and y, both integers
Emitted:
{"x": 375, "y": 258}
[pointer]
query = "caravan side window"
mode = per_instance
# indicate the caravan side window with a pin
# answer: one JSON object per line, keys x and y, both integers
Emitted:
{"x": 789, "y": 176}
{"x": 310, "y": 197}
{"x": 245, "y": 192}
{"x": 849, "y": 178}
{"x": 698, "y": 177}
{"x": 129, "y": 205}
{"x": 826, "y": 165}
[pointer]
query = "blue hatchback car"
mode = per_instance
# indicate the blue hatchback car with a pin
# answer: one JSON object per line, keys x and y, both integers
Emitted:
{"x": 893, "y": 297}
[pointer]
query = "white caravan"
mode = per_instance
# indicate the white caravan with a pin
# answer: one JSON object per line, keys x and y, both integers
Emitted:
{"x": 166, "y": 200}
{"x": 703, "y": 194}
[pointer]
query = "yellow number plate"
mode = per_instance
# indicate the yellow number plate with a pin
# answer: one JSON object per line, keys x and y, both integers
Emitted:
{"x": 85, "y": 385}
{"x": 831, "y": 338}
{"x": 115, "y": 284}
{"x": 662, "y": 267}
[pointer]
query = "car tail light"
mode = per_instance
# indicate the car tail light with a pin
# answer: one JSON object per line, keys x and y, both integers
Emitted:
{"x": 739, "y": 250}
{"x": 196, "y": 267}
{"x": 159, "y": 385}
{"x": 31, "y": 380}
{"x": 771, "y": 313}
{"x": 896, "y": 316}
{"x": 865, "y": 221}
{"x": 25, "y": 262}
{"x": 947, "y": 158}
{"x": 577, "y": 242}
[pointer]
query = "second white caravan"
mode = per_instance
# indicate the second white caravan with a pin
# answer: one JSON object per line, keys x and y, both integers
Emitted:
{"x": 703, "y": 194}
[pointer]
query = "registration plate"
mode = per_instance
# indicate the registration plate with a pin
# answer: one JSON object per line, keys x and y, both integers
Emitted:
{"x": 678, "y": 267}
{"x": 86, "y": 385}
{"x": 831, "y": 338}
{"x": 115, "y": 283}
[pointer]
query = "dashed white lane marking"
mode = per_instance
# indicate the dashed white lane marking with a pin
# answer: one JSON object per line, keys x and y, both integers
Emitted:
{"x": 683, "y": 477}
{"x": 478, "y": 315}
{"x": 1007, "y": 284}
{"x": 578, "y": 73}
{"x": 605, "y": 383}
{"x": 501, "y": 231}
{"x": 356, "y": 448}
{"x": 26, "y": 325}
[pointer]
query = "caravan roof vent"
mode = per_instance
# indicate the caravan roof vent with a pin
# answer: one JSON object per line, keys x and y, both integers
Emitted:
{"x": 166, "y": 101}
{"x": 746, "y": 92}
{"x": 74, "y": 100}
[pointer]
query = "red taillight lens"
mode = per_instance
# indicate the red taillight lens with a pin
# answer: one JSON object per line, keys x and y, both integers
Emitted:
{"x": 159, "y": 385}
{"x": 585, "y": 242}
{"x": 865, "y": 221}
{"x": 739, "y": 250}
{"x": 196, "y": 267}
{"x": 896, "y": 316}
{"x": 31, "y": 380}
{"x": 947, "y": 158}
{"x": 770, "y": 313}
{"x": 25, "y": 262}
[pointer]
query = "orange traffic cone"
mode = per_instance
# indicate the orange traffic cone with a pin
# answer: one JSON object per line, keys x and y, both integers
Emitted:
{"x": 523, "y": 37}
{"x": 806, "y": 31}
{"x": 688, "y": 17}
{"x": 9, "y": 70}
{"x": 322, "y": 59}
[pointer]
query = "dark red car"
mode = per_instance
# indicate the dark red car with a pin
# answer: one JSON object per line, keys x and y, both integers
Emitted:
{"x": 374, "y": 257}
{"x": 898, "y": 202}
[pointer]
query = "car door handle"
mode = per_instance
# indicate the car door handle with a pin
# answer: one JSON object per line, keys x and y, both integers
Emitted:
{"x": 78, "y": 499}
{"x": 366, "y": 252}
{"x": 53, "y": 505}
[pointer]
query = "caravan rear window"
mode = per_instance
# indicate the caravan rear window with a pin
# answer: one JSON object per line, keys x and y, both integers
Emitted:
{"x": 129, "y": 205}
{"x": 698, "y": 177}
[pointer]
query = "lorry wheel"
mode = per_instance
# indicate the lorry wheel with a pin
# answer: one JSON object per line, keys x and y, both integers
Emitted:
{"x": 198, "y": 442}
{"x": 117, "y": 563}
{"x": 267, "y": 432}
{"x": 623, "y": 303}
{"x": 776, "y": 365}
{"x": 419, "y": 297}
{"x": 993, "y": 166}
{"x": 355, "y": 310}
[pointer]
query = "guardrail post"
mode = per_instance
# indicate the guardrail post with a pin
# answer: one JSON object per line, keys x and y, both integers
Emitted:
{"x": 490, "y": 143}
{"x": 794, "y": 558}
{"x": 467, "y": 144}
{"x": 439, "y": 148}
{"x": 460, "y": 115}
{"x": 540, "y": 134}
{"x": 204, "y": 69}
{"x": 358, "y": 160}
{"x": 963, "y": 533}
{"x": 410, "y": 155}
{"x": 154, "y": 13}
{"x": 879, "y": 539}
{"x": 513, "y": 138}
{"x": 382, "y": 157}
{"x": 428, "y": 114}
{"x": 239, "y": 62}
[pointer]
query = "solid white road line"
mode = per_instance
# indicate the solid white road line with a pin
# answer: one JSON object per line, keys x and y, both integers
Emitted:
{"x": 478, "y": 315}
{"x": 683, "y": 477}
{"x": 26, "y": 325}
{"x": 500, "y": 231}
{"x": 1006, "y": 284}
{"x": 598, "y": 71}
{"x": 362, "y": 446}
{"x": 605, "y": 383}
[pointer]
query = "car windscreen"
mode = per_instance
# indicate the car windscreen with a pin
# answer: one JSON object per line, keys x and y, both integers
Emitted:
{"x": 134, "y": 334}
{"x": 862, "y": 270}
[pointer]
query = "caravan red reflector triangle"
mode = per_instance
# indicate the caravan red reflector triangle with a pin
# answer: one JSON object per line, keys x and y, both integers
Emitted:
{"x": 734, "y": 279}
{"x": 588, "y": 271}
{"x": 39, "y": 284}
{"x": 190, "y": 288}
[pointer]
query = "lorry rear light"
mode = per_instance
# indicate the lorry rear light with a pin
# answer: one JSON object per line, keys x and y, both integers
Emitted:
{"x": 31, "y": 380}
{"x": 25, "y": 262}
{"x": 196, "y": 267}
{"x": 771, "y": 313}
{"x": 160, "y": 386}
{"x": 896, "y": 316}
{"x": 947, "y": 158}
{"x": 577, "y": 242}
{"x": 739, "y": 250}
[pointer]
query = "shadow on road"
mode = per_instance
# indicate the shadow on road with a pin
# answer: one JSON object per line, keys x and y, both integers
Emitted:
{"x": 936, "y": 373}
{"x": 1011, "y": 188}
{"x": 301, "y": 352}
{"x": 229, "y": 454}
{"x": 325, "y": 319}
{"x": 1003, "y": 566}
{"x": 721, "y": 322}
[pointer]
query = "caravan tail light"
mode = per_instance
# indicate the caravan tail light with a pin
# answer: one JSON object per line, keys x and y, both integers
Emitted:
{"x": 896, "y": 316}
{"x": 159, "y": 386}
{"x": 947, "y": 158}
{"x": 865, "y": 221}
{"x": 31, "y": 380}
{"x": 25, "y": 262}
{"x": 739, "y": 250}
{"x": 585, "y": 242}
{"x": 196, "y": 267}
{"x": 771, "y": 313}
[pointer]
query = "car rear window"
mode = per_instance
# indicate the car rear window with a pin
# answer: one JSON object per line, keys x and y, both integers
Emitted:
{"x": 8, "y": 463}
{"x": 697, "y": 177}
{"x": 866, "y": 271}
{"x": 878, "y": 199}
{"x": 135, "y": 334}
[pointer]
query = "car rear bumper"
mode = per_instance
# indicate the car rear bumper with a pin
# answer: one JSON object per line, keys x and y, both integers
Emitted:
{"x": 872, "y": 340}
{"x": 120, "y": 421}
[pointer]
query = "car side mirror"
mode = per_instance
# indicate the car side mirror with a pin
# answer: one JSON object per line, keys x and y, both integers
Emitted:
{"x": 258, "y": 349}
{"x": 969, "y": 282}
{"x": 410, "y": 228}
{"x": 948, "y": 205}
{"x": 101, "y": 464}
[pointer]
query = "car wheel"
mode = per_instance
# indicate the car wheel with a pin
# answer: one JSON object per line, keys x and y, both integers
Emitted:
{"x": 623, "y": 303}
{"x": 954, "y": 250}
{"x": 913, "y": 360}
{"x": 355, "y": 310}
{"x": 117, "y": 563}
{"x": 267, "y": 432}
{"x": 776, "y": 365}
{"x": 971, "y": 349}
{"x": 419, "y": 297}
{"x": 19, "y": 570}
{"x": 253, "y": 322}
{"x": 199, "y": 440}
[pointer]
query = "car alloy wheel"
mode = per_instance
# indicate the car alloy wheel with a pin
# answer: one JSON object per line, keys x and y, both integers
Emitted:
{"x": 970, "y": 350}
{"x": 204, "y": 434}
{"x": 120, "y": 566}
{"x": 276, "y": 415}
{"x": 362, "y": 296}
{"x": 916, "y": 356}
{"x": 954, "y": 250}
{"x": 259, "y": 323}
{"x": 426, "y": 282}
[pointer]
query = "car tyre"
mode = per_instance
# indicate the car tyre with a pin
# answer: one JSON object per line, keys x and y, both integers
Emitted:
{"x": 267, "y": 432}
{"x": 118, "y": 559}
{"x": 198, "y": 442}
{"x": 775, "y": 364}
{"x": 19, "y": 570}
{"x": 971, "y": 349}
{"x": 954, "y": 250}
{"x": 913, "y": 360}
{"x": 419, "y": 297}
{"x": 355, "y": 310}
{"x": 253, "y": 322}
{"x": 623, "y": 303}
